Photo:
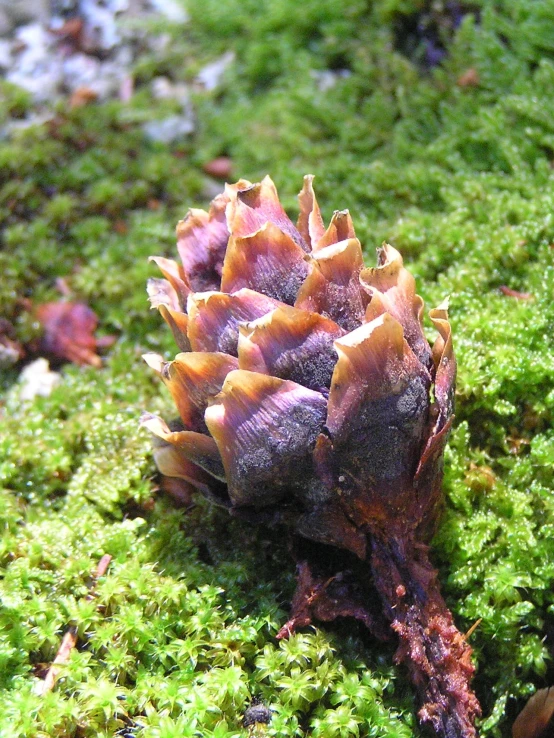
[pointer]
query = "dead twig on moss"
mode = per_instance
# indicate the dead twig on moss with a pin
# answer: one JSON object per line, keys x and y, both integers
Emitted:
{"x": 69, "y": 641}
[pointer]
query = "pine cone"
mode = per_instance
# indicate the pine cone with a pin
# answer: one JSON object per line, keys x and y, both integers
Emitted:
{"x": 309, "y": 396}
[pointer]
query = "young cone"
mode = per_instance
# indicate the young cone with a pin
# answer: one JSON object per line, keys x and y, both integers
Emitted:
{"x": 309, "y": 396}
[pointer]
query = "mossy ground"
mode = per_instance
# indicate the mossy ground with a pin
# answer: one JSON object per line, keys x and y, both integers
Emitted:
{"x": 181, "y": 634}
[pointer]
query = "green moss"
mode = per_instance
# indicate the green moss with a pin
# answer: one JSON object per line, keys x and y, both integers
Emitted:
{"x": 180, "y": 634}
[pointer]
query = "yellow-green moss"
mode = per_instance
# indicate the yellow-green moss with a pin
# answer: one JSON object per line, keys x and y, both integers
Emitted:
{"x": 181, "y": 634}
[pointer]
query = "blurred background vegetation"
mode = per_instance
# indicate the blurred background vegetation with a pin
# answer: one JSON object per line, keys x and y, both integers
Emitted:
{"x": 433, "y": 122}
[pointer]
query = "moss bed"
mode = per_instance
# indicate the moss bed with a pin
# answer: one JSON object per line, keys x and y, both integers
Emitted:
{"x": 456, "y": 171}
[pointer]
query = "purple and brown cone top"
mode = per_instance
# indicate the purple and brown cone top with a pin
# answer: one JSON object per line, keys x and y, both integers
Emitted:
{"x": 308, "y": 395}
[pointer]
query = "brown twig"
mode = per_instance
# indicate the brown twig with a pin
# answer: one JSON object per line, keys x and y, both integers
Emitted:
{"x": 101, "y": 569}
{"x": 69, "y": 641}
{"x": 473, "y": 628}
{"x": 509, "y": 292}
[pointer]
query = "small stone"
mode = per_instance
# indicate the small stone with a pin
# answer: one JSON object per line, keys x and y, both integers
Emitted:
{"x": 161, "y": 88}
{"x": 81, "y": 70}
{"x": 164, "y": 89}
{"x": 101, "y": 32}
{"x": 5, "y": 23}
{"x": 37, "y": 380}
{"x": 43, "y": 84}
{"x": 14, "y": 14}
{"x": 172, "y": 10}
{"x": 326, "y": 79}
{"x": 220, "y": 168}
{"x": 35, "y": 68}
{"x": 210, "y": 75}
{"x": 69, "y": 44}
{"x": 5, "y": 52}
{"x": 171, "y": 129}
{"x": 10, "y": 352}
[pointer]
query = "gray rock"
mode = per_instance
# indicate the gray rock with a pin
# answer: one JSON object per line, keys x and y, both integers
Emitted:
{"x": 9, "y": 355}
{"x": 37, "y": 380}
{"x": 210, "y": 75}
{"x": 34, "y": 67}
{"x": 164, "y": 89}
{"x": 50, "y": 64}
{"x": 326, "y": 79}
{"x": 14, "y": 13}
{"x": 173, "y": 10}
{"x": 100, "y": 22}
{"x": 5, "y": 52}
{"x": 6, "y": 25}
{"x": 171, "y": 129}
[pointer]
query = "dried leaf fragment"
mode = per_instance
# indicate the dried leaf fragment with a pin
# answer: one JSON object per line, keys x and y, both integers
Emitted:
{"x": 69, "y": 329}
{"x": 536, "y": 718}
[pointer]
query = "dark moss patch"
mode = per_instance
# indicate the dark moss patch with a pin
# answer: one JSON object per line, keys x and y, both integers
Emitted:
{"x": 425, "y": 34}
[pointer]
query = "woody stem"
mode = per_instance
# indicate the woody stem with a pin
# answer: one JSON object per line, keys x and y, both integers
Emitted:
{"x": 435, "y": 653}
